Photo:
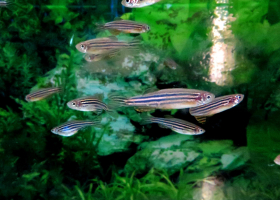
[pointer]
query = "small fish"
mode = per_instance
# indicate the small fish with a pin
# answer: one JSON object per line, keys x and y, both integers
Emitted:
{"x": 70, "y": 128}
{"x": 168, "y": 62}
{"x": 105, "y": 45}
{"x": 176, "y": 98}
{"x": 138, "y": 3}
{"x": 89, "y": 103}
{"x": 218, "y": 105}
{"x": 4, "y": 3}
{"x": 125, "y": 26}
{"x": 97, "y": 57}
{"x": 42, "y": 94}
{"x": 177, "y": 125}
{"x": 277, "y": 160}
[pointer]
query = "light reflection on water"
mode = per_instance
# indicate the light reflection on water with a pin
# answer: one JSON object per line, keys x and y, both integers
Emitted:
{"x": 222, "y": 52}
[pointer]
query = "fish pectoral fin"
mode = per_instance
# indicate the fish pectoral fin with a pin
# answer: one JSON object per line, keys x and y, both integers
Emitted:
{"x": 114, "y": 32}
{"x": 117, "y": 19}
{"x": 163, "y": 126}
{"x": 201, "y": 119}
{"x": 98, "y": 96}
{"x": 168, "y": 116}
{"x": 150, "y": 90}
{"x": 98, "y": 111}
{"x": 143, "y": 109}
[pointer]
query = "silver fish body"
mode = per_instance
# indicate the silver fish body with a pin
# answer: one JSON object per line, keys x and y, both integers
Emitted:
{"x": 70, "y": 128}
{"x": 177, "y": 125}
{"x": 177, "y": 98}
{"x": 125, "y": 26}
{"x": 218, "y": 105}
{"x": 42, "y": 94}
{"x": 105, "y": 45}
{"x": 4, "y": 3}
{"x": 138, "y": 3}
{"x": 89, "y": 103}
{"x": 277, "y": 160}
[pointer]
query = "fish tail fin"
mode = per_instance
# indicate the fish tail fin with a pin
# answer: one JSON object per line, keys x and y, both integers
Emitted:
{"x": 146, "y": 119}
{"x": 201, "y": 119}
{"x": 135, "y": 43}
{"x": 99, "y": 27}
{"x": 97, "y": 122}
{"x": 116, "y": 101}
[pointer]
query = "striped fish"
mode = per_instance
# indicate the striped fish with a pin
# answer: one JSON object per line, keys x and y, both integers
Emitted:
{"x": 176, "y": 98}
{"x": 177, "y": 125}
{"x": 218, "y": 105}
{"x": 4, "y": 3}
{"x": 90, "y": 103}
{"x": 70, "y": 128}
{"x": 138, "y": 3}
{"x": 97, "y": 57}
{"x": 277, "y": 160}
{"x": 125, "y": 26}
{"x": 42, "y": 94}
{"x": 105, "y": 45}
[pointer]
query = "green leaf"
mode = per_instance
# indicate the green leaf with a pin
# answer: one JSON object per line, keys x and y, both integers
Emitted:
{"x": 30, "y": 176}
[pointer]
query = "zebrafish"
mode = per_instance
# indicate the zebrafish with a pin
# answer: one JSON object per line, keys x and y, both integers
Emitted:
{"x": 90, "y": 103}
{"x": 277, "y": 160}
{"x": 97, "y": 57}
{"x": 42, "y": 94}
{"x": 176, "y": 98}
{"x": 125, "y": 26}
{"x": 168, "y": 62}
{"x": 138, "y": 3}
{"x": 218, "y": 105}
{"x": 177, "y": 125}
{"x": 105, "y": 45}
{"x": 70, "y": 128}
{"x": 4, "y": 3}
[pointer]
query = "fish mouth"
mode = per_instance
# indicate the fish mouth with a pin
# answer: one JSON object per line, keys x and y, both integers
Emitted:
{"x": 69, "y": 104}
{"x": 53, "y": 131}
{"x": 237, "y": 101}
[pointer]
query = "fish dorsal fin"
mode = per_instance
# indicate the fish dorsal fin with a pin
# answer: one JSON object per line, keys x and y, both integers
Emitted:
{"x": 99, "y": 96}
{"x": 169, "y": 116}
{"x": 118, "y": 19}
{"x": 112, "y": 38}
{"x": 143, "y": 109}
{"x": 150, "y": 90}
{"x": 201, "y": 119}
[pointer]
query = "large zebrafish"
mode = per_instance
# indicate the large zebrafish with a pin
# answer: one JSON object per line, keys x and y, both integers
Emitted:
{"x": 42, "y": 94}
{"x": 218, "y": 105}
{"x": 124, "y": 26}
{"x": 177, "y": 125}
{"x": 70, "y": 128}
{"x": 138, "y": 3}
{"x": 106, "y": 45}
{"x": 89, "y": 103}
{"x": 176, "y": 98}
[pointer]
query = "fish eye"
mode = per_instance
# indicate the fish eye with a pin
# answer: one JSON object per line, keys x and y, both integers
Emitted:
{"x": 238, "y": 97}
{"x": 83, "y": 46}
{"x": 127, "y": 1}
{"x": 73, "y": 104}
{"x": 147, "y": 27}
{"x": 208, "y": 97}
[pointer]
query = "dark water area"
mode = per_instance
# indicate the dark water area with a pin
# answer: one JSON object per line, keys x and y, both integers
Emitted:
{"x": 224, "y": 47}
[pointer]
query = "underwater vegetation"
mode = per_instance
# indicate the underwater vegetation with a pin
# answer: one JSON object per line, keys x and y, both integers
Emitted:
{"x": 122, "y": 159}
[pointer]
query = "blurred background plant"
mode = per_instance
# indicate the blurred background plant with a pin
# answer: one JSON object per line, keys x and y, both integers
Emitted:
{"x": 125, "y": 160}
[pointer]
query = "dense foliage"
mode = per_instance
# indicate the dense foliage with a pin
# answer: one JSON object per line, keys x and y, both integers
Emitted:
{"x": 123, "y": 160}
